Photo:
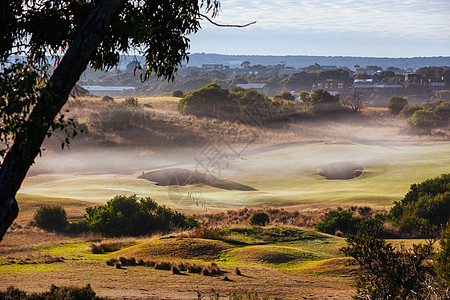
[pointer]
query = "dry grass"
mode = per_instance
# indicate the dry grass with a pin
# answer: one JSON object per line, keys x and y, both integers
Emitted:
{"x": 304, "y": 218}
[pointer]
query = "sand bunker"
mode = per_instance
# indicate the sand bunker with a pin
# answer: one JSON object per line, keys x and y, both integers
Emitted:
{"x": 341, "y": 170}
{"x": 183, "y": 177}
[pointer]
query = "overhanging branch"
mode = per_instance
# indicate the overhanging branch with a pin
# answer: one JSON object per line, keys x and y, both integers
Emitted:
{"x": 225, "y": 25}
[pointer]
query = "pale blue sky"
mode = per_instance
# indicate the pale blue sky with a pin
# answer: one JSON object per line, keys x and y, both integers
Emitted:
{"x": 382, "y": 28}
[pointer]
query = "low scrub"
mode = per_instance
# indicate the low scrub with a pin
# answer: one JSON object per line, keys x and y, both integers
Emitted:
{"x": 211, "y": 269}
{"x": 131, "y": 216}
{"x": 55, "y": 293}
{"x": 246, "y": 106}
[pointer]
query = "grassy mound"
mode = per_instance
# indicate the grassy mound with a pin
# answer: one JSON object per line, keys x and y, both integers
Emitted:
{"x": 334, "y": 266}
{"x": 268, "y": 255}
{"x": 269, "y": 235}
{"x": 183, "y": 248}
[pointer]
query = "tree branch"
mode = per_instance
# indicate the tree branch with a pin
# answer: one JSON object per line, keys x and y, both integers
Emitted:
{"x": 225, "y": 25}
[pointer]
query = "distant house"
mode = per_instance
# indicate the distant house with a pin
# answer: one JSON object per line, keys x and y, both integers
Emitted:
{"x": 210, "y": 67}
{"x": 367, "y": 86}
{"x": 260, "y": 87}
{"x": 328, "y": 68}
{"x": 415, "y": 78}
{"x": 332, "y": 86}
{"x": 114, "y": 91}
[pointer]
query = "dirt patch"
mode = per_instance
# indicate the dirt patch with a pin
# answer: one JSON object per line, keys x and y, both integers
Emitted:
{"x": 341, "y": 170}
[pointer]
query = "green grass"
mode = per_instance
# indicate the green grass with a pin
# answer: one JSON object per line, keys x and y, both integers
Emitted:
{"x": 267, "y": 235}
{"x": 281, "y": 177}
{"x": 32, "y": 268}
{"x": 77, "y": 250}
{"x": 176, "y": 248}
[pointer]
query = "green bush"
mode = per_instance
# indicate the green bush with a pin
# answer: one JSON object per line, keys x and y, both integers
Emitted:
{"x": 396, "y": 104}
{"x": 248, "y": 106}
{"x": 178, "y": 93}
{"x": 387, "y": 272}
{"x": 425, "y": 208}
{"x": 409, "y": 110}
{"x": 338, "y": 221}
{"x": 131, "y": 216}
{"x": 423, "y": 121}
{"x": 51, "y": 218}
{"x": 258, "y": 218}
{"x": 441, "y": 262}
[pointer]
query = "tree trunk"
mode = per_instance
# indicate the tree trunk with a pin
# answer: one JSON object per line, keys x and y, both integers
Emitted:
{"x": 28, "y": 143}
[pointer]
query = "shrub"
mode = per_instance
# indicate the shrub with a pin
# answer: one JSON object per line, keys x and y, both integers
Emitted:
{"x": 423, "y": 121}
{"x": 107, "y": 99}
{"x": 259, "y": 218}
{"x": 55, "y": 292}
{"x": 51, "y": 218}
{"x": 131, "y": 216}
{"x": 409, "y": 110}
{"x": 130, "y": 102}
{"x": 386, "y": 272}
{"x": 338, "y": 221}
{"x": 248, "y": 106}
{"x": 425, "y": 208}
{"x": 442, "y": 260}
{"x": 396, "y": 104}
{"x": 320, "y": 102}
{"x": 178, "y": 93}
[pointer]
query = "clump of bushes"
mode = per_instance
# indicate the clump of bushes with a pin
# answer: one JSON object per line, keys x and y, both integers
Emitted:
{"x": 409, "y": 110}
{"x": 320, "y": 102}
{"x": 396, "y": 104}
{"x": 338, "y": 222}
{"x": 51, "y": 218}
{"x": 258, "y": 218}
{"x": 130, "y": 102}
{"x": 131, "y": 216}
{"x": 55, "y": 292}
{"x": 425, "y": 208}
{"x": 247, "y": 106}
{"x": 423, "y": 120}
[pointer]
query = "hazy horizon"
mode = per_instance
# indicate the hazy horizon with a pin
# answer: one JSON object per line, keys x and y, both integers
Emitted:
{"x": 406, "y": 28}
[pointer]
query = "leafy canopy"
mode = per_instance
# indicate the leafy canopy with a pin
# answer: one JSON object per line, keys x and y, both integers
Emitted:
{"x": 37, "y": 34}
{"x": 131, "y": 216}
{"x": 425, "y": 208}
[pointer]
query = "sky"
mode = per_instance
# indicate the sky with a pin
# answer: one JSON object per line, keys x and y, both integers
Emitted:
{"x": 382, "y": 28}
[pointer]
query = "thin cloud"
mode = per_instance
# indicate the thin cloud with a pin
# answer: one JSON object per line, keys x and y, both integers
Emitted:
{"x": 382, "y": 18}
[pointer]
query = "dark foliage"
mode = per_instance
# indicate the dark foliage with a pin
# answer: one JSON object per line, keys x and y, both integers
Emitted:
{"x": 385, "y": 272}
{"x": 425, "y": 208}
{"x": 259, "y": 218}
{"x": 178, "y": 93}
{"x": 247, "y": 106}
{"x": 396, "y": 104}
{"x": 51, "y": 218}
{"x": 342, "y": 221}
{"x": 320, "y": 102}
{"x": 55, "y": 293}
{"x": 131, "y": 216}
{"x": 442, "y": 260}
